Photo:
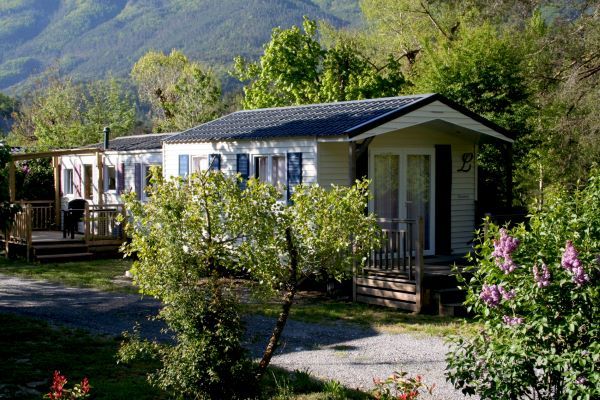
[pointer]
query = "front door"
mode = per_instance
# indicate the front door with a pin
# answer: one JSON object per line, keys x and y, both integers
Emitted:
{"x": 403, "y": 185}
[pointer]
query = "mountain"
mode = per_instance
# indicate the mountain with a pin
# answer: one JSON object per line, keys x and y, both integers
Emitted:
{"x": 89, "y": 38}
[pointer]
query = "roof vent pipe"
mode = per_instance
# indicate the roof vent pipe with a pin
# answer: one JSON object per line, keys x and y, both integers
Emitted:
{"x": 106, "y": 137}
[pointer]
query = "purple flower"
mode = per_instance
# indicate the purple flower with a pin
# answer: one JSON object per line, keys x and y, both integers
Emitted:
{"x": 581, "y": 380}
{"x": 570, "y": 258}
{"x": 511, "y": 321}
{"x": 579, "y": 276}
{"x": 571, "y": 263}
{"x": 543, "y": 278}
{"x": 25, "y": 169}
{"x": 493, "y": 294}
{"x": 503, "y": 248}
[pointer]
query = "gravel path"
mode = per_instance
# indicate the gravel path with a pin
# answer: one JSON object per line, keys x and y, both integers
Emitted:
{"x": 343, "y": 352}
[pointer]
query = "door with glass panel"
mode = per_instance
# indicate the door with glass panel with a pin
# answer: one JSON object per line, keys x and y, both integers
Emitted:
{"x": 403, "y": 188}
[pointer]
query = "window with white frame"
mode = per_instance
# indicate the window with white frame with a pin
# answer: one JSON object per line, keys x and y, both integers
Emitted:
{"x": 68, "y": 181}
{"x": 110, "y": 182}
{"x": 271, "y": 169}
{"x": 199, "y": 163}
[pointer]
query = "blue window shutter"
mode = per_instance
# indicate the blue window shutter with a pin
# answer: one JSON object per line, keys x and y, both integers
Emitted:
{"x": 184, "y": 165}
{"x": 243, "y": 167}
{"x": 294, "y": 172}
{"x": 120, "y": 178}
{"x": 214, "y": 162}
{"x": 138, "y": 180}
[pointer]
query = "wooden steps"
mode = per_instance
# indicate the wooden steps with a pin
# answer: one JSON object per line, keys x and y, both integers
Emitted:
{"x": 61, "y": 251}
{"x": 387, "y": 290}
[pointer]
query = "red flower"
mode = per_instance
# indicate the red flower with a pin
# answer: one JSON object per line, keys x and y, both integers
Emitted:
{"x": 56, "y": 390}
{"x": 85, "y": 386}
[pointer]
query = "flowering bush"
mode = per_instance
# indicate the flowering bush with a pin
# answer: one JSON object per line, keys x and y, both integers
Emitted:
{"x": 58, "y": 391}
{"x": 536, "y": 291}
{"x": 399, "y": 386}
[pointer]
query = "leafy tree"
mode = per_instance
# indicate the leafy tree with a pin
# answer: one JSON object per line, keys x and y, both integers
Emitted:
{"x": 67, "y": 114}
{"x": 182, "y": 93}
{"x": 535, "y": 291}
{"x": 296, "y": 68}
{"x": 7, "y": 107}
{"x": 201, "y": 230}
{"x": 4, "y": 159}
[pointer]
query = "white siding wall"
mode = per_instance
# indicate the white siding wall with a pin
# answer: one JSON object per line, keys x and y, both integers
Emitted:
{"x": 112, "y": 159}
{"x": 463, "y": 183}
{"x": 333, "y": 164}
{"x": 229, "y": 150}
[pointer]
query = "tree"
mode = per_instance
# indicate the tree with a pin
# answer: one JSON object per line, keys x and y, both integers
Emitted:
{"x": 200, "y": 231}
{"x": 296, "y": 68}
{"x": 8, "y": 105}
{"x": 67, "y": 114}
{"x": 535, "y": 291}
{"x": 181, "y": 93}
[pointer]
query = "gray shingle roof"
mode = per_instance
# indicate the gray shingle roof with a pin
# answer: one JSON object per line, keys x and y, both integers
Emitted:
{"x": 329, "y": 119}
{"x": 151, "y": 141}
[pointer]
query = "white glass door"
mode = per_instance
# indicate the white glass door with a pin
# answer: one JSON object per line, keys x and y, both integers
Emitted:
{"x": 403, "y": 185}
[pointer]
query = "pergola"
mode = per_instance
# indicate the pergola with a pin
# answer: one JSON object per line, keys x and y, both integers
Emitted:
{"x": 55, "y": 155}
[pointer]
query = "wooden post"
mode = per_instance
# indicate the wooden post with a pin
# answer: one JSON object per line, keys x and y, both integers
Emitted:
{"x": 352, "y": 160}
{"x": 100, "y": 166}
{"x": 86, "y": 222}
{"x": 57, "y": 189}
{"x": 29, "y": 222}
{"x": 12, "y": 181}
{"x": 420, "y": 265}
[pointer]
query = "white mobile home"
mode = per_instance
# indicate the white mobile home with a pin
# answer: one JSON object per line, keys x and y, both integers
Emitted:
{"x": 419, "y": 151}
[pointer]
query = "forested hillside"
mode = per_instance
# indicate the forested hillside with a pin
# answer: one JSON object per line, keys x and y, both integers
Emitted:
{"x": 88, "y": 38}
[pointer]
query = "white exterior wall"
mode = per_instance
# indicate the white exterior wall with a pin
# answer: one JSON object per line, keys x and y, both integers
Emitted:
{"x": 112, "y": 158}
{"x": 464, "y": 185}
{"x": 229, "y": 151}
{"x": 333, "y": 164}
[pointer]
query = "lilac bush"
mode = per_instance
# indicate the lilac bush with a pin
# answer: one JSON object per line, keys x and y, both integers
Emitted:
{"x": 536, "y": 292}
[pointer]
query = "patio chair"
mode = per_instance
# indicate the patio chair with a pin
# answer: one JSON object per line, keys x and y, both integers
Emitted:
{"x": 73, "y": 216}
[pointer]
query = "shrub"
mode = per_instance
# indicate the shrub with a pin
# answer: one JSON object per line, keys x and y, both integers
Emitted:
{"x": 536, "y": 291}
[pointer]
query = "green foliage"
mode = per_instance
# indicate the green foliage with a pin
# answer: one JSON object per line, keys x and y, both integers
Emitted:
{"x": 7, "y": 215}
{"x": 400, "y": 386}
{"x": 207, "y": 360}
{"x": 182, "y": 93}
{"x": 297, "y": 69}
{"x": 200, "y": 229}
{"x": 35, "y": 180}
{"x": 4, "y": 159}
{"x": 540, "y": 333}
{"x": 66, "y": 114}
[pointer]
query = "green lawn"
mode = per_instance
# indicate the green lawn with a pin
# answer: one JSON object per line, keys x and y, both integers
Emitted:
{"x": 101, "y": 274}
{"x": 379, "y": 318}
{"x": 31, "y": 350}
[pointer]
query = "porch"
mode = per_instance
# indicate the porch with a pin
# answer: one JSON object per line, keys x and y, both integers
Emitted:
{"x": 43, "y": 233}
{"x": 399, "y": 275}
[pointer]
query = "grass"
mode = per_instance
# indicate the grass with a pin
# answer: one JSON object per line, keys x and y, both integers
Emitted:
{"x": 105, "y": 275}
{"x": 32, "y": 350}
{"x": 327, "y": 311}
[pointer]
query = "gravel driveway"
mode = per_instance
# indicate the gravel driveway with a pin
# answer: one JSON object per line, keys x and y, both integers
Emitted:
{"x": 343, "y": 352}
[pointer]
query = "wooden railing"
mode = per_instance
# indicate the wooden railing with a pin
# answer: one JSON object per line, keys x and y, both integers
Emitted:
{"x": 20, "y": 232}
{"x": 42, "y": 214}
{"x": 399, "y": 246}
{"x": 101, "y": 222}
{"x": 393, "y": 274}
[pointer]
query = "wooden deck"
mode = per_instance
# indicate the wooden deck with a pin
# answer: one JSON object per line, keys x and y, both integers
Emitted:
{"x": 53, "y": 236}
